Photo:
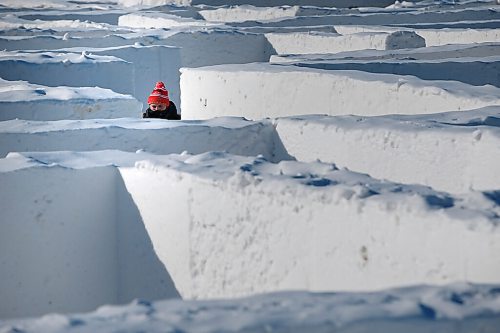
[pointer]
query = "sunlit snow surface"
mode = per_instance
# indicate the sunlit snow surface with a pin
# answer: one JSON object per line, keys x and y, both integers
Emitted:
{"x": 83, "y": 179}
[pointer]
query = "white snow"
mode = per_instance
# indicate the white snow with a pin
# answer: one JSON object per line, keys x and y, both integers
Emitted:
{"x": 432, "y": 37}
{"x": 234, "y": 135}
{"x": 160, "y": 20}
{"x": 204, "y": 249}
{"x": 23, "y": 100}
{"x": 336, "y": 165}
{"x": 288, "y": 90}
{"x": 248, "y": 13}
{"x": 68, "y": 69}
{"x": 321, "y": 42}
{"x": 458, "y": 150}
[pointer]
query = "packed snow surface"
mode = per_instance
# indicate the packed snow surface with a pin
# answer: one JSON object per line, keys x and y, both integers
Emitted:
{"x": 459, "y": 308}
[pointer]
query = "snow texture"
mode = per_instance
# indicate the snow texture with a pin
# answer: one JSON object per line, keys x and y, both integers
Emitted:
{"x": 290, "y": 90}
{"x": 335, "y": 169}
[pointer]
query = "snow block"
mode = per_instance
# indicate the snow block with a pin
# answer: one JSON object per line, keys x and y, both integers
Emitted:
{"x": 68, "y": 69}
{"x": 204, "y": 48}
{"x": 322, "y": 42}
{"x": 248, "y": 13}
{"x": 76, "y": 242}
{"x": 238, "y": 226}
{"x": 432, "y": 37}
{"x": 453, "y": 152}
{"x": 158, "y": 136}
{"x": 258, "y": 91}
{"x": 19, "y": 99}
{"x": 151, "y": 64}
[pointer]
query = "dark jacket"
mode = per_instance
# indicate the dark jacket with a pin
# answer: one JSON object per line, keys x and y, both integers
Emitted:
{"x": 169, "y": 113}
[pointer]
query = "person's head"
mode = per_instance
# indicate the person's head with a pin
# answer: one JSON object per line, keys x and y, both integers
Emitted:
{"x": 158, "y": 100}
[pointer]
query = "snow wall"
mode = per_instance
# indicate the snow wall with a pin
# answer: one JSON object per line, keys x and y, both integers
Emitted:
{"x": 300, "y": 225}
{"x": 76, "y": 243}
{"x": 316, "y": 42}
{"x": 234, "y": 135}
{"x": 69, "y": 70}
{"x": 290, "y": 90}
{"x": 457, "y": 155}
{"x": 22, "y": 100}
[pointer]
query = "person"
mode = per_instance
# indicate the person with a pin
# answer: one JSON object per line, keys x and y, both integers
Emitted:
{"x": 160, "y": 106}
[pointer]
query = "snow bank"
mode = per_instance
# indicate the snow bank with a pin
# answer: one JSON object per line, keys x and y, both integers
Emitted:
{"x": 432, "y": 36}
{"x": 458, "y": 308}
{"x": 75, "y": 243}
{"x": 248, "y": 13}
{"x": 158, "y": 136}
{"x": 321, "y": 42}
{"x": 240, "y": 90}
{"x": 475, "y": 71}
{"x": 68, "y": 69}
{"x": 19, "y": 99}
{"x": 151, "y": 64}
{"x": 454, "y": 152}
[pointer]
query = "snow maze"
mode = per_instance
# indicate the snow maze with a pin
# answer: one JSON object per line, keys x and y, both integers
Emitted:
{"x": 319, "y": 150}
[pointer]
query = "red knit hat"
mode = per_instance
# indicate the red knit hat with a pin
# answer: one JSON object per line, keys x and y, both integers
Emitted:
{"x": 159, "y": 94}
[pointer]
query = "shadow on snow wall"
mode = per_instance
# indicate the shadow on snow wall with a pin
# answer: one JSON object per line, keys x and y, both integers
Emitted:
{"x": 72, "y": 240}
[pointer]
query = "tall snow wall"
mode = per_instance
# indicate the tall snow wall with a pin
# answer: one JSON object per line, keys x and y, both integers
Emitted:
{"x": 253, "y": 227}
{"x": 258, "y": 91}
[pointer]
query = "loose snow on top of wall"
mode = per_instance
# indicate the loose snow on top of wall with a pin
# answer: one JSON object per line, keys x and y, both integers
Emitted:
{"x": 23, "y": 100}
{"x": 10, "y": 21}
{"x": 240, "y": 90}
{"x": 458, "y": 150}
{"x": 458, "y": 308}
{"x": 248, "y": 13}
{"x": 53, "y": 57}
